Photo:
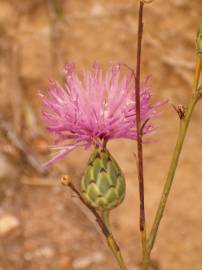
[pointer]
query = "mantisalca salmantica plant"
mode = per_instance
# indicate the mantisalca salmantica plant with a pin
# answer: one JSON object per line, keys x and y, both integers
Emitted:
{"x": 100, "y": 106}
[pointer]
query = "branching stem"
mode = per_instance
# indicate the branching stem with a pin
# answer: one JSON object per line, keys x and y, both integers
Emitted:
{"x": 184, "y": 124}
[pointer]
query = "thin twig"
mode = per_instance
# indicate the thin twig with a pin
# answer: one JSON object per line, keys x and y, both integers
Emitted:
{"x": 179, "y": 68}
{"x": 147, "y": 1}
{"x": 177, "y": 63}
{"x": 16, "y": 96}
{"x": 38, "y": 182}
{"x": 56, "y": 22}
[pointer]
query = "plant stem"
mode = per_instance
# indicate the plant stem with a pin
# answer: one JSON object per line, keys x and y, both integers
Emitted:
{"x": 105, "y": 218}
{"x": 138, "y": 127}
{"x": 197, "y": 73}
{"x": 102, "y": 221}
{"x": 116, "y": 251}
{"x": 184, "y": 123}
{"x": 111, "y": 243}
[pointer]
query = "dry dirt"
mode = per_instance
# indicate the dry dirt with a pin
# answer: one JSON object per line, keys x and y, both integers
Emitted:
{"x": 49, "y": 229}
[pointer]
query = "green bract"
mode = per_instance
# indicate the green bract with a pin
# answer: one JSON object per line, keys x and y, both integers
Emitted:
{"x": 103, "y": 183}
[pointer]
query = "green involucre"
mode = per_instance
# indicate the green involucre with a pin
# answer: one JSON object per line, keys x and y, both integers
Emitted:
{"x": 103, "y": 183}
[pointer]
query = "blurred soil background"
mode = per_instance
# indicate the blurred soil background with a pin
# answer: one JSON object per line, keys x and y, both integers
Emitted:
{"x": 42, "y": 226}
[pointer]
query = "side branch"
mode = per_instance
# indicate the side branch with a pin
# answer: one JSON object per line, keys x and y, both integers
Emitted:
{"x": 108, "y": 235}
{"x": 184, "y": 124}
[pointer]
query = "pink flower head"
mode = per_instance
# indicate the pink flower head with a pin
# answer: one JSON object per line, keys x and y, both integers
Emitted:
{"x": 91, "y": 111}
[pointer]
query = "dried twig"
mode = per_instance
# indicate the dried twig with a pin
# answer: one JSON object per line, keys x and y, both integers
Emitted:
{"x": 16, "y": 93}
{"x": 178, "y": 63}
{"x": 8, "y": 130}
{"x": 57, "y": 23}
{"x": 38, "y": 182}
{"x": 179, "y": 68}
{"x": 26, "y": 6}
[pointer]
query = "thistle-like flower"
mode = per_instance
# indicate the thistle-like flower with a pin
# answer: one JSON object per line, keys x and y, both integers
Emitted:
{"x": 94, "y": 110}
{"x": 90, "y": 112}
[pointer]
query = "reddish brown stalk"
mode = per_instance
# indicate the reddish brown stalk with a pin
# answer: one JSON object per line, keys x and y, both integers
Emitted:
{"x": 138, "y": 119}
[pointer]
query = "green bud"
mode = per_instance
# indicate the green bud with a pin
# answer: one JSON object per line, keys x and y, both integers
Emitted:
{"x": 199, "y": 40}
{"x": 103, "y": 183}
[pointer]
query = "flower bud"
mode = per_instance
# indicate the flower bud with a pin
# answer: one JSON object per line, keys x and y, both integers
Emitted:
{"x": 103, "y": 183}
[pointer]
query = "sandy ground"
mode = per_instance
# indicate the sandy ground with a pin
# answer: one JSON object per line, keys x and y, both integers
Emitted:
{"x": 48, "y": 228}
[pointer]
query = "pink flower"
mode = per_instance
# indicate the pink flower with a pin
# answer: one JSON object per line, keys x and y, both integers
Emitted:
{"x": 91, "y": 111}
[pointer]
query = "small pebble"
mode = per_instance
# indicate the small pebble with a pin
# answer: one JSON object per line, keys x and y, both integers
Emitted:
{"x": 98, "y": 10}
{"x": 8, "y": 223}
{"x": 83, "y": 262}
{"x": 64, "y": 262}
{"x": 45, "y": 252}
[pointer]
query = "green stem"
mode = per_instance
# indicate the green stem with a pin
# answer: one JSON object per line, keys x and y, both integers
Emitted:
{"x": 112, "y": 243}
{"x": 197, "y": 73}
{"x": 184, "y": 123}
{"x": 177, "y": 151}
{"x": 105, "y": 218}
